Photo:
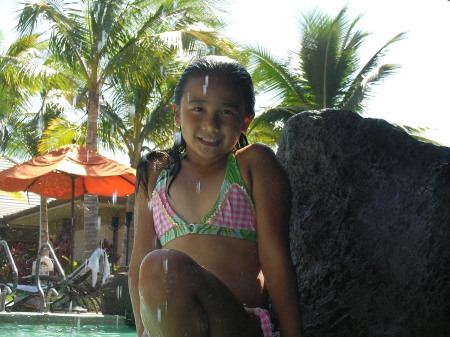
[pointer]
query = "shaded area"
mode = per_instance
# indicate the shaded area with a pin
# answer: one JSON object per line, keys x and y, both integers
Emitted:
{"x": 370, "y": 226}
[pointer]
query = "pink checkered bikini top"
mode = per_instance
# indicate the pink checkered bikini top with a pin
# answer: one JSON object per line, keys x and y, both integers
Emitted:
{"x": 233, "y": 213}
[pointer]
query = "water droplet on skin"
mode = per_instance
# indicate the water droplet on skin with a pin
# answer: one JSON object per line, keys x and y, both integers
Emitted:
{"x": 154, "y": 166}
{"x": 166, "y": 265}
{"x": 197, "y": 187}
{"x": 150, "y": 205}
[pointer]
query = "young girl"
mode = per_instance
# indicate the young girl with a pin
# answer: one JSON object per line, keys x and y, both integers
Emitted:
{"x": 211, "y": 219}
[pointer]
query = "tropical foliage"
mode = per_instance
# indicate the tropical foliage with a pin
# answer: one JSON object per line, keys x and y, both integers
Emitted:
{"x": 27, "y": 78}
{"x": 101, "y": 39}
{"x": 24, "y": 73}
{"x": 324, "y": 73}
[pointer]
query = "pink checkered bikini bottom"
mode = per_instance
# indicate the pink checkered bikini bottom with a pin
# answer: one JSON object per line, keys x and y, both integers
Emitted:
{"x": 264, "y": 316}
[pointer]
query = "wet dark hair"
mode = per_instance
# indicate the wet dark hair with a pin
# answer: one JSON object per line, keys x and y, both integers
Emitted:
{"x": 227, "y": 68}
{"x": 210, "y": 65}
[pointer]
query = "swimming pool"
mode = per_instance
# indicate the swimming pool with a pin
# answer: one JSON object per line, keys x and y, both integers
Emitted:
{"x": 55, "y": 330}
{"x": 28, "y": 324}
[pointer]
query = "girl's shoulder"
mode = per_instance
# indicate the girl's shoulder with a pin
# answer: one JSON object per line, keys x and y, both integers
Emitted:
{"x": 257, "y": 162}
{"x": 255, "y": 154}
{"x": 262, "y": 171}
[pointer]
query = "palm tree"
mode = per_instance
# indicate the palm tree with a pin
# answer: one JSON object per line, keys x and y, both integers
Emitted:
{"x": 137, "y": 119}
{"x": 100, "y": 38}
{"x": 22, "y": 77}
{"x": 324, "y": 73}
{"x": 140, "y": 118}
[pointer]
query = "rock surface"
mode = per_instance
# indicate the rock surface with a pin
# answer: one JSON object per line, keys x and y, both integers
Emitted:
{"x": 370, "y": 228}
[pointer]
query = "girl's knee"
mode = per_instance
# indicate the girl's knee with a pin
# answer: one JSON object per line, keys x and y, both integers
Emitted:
{"x": 162, "y": 269}
{"x": 152, "y": 264}
{"x": 163, "y": 261}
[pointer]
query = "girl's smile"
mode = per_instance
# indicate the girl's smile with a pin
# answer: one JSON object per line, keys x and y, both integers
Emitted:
{"x": 211, "y": 116}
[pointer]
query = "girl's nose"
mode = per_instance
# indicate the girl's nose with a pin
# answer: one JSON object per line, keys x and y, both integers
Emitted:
{"x": 211, "y": 121}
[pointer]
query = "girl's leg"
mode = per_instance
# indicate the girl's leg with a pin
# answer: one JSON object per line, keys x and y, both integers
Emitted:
{"x": 181, "y": 298}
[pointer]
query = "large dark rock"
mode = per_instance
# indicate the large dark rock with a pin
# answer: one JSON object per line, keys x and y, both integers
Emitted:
{"x": 370, "y": 227}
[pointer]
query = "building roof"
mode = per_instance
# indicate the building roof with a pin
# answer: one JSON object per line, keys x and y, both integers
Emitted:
{"x": 13, "y": 202}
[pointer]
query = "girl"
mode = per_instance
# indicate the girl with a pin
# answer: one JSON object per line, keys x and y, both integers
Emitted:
{"x": 211, "y": 219}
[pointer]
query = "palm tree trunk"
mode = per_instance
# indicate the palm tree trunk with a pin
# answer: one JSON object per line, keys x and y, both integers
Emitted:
{"x": 43, "y": 225}
{"x": 91, "y": 225}
{"x": 93, "y": 109}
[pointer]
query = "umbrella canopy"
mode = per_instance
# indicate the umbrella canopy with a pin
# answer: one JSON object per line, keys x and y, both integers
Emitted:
{"x": 69, "y": 171}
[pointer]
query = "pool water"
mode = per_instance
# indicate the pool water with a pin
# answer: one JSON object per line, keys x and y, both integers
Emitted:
{"x": 53, "y": 330}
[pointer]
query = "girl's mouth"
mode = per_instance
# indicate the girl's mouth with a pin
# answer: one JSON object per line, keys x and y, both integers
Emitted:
{"x": 209, "y": 141}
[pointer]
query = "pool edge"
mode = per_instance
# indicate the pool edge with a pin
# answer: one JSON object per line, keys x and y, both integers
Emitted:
{"x": 57, "y": 318}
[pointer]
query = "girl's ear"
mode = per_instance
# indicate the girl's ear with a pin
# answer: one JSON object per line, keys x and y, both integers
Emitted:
{"x": 176, "y": 114}
{"x": 246, "y": 123}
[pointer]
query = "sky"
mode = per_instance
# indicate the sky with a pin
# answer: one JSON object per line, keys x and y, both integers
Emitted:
{"x": 417, "y": 95}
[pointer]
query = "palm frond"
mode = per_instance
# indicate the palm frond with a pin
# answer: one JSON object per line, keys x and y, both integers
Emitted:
{"x": 418, "y": 133}
{"x": 357, "y": 83}
{"x": 61, "y": 132}
{"x": 267, "y": 126}
{"x": 274, "y": 78}
{"x": 272, "y": 116}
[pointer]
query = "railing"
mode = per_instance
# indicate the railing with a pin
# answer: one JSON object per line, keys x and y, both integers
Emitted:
{"x": 62, "y": 281}
{"x": 7, "y": 290}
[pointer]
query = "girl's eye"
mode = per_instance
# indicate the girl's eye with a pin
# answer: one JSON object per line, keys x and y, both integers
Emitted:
{"x": 197, "y": 108}
{"x": 227, "y": 112}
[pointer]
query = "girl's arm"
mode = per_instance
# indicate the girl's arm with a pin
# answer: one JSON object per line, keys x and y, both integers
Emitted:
{"x": 145, "y": 241}
{"x": 272, "y": 197}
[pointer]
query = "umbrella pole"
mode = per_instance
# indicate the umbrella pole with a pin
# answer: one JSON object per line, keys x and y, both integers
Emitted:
{"x": 72, "y": 223}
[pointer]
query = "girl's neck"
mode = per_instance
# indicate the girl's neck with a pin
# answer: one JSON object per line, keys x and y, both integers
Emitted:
{"x": 200, "y": 165}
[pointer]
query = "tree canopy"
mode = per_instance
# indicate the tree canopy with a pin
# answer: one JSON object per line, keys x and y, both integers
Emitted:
{"x": 325, "y": 72}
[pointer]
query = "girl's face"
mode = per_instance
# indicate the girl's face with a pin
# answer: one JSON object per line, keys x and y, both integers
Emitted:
{"x": 211, "y": 116}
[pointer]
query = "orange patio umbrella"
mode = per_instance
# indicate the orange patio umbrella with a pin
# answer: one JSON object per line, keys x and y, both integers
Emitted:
{"x": 67, "y": 172}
